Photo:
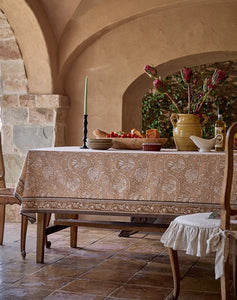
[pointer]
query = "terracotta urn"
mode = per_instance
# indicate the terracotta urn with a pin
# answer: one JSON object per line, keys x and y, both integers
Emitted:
{"x": 184, "y": 126}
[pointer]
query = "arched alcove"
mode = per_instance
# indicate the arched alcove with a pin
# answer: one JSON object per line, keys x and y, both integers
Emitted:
{"x": 133, "y": 96}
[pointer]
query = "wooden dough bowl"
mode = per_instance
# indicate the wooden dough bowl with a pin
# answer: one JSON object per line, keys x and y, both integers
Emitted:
{"x": 135, "y": 143}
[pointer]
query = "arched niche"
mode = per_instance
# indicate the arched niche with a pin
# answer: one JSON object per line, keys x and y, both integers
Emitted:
{"x": 133, "y": 96}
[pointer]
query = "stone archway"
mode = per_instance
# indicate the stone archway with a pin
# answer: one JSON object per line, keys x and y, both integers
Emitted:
{"x": 28, "y": 120}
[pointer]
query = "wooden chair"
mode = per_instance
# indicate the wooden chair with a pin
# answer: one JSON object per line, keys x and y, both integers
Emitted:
{"x": 7, "y": 197}
{"x": 199, "y": 235}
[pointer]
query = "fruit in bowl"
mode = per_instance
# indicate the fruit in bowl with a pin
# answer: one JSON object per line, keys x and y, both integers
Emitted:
{"x": 132, "y": 140}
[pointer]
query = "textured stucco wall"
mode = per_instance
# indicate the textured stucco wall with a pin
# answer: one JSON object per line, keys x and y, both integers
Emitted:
{"x": 169, "y": 36}
{"x": 111, "y": 41}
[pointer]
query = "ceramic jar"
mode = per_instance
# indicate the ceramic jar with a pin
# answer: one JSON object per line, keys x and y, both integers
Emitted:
{"x": 185, "y": 125}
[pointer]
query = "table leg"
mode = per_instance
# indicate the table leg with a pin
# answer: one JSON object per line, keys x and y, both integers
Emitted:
{"x": 41, "y": 226}
{"x": 2, "y": 222}
{"x": 24, "y": 224}
{"x": 47, "y": 243}
{"x": 73, "y": 233}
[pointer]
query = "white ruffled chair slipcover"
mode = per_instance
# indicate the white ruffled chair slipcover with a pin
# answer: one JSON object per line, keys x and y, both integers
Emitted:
{"x": 198, "y": 236}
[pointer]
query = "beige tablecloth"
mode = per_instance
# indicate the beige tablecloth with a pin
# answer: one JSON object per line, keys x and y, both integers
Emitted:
{"x": 124, "y": 181}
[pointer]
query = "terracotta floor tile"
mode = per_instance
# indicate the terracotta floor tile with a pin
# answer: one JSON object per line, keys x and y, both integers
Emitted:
{"x": 153, "y": 267}
{"x": 152, "y": 279}
{"x": 24, "y": 293}
{"x": 103, "y": 266}
{"x": 137, "y": 256}
{"x": 154, "y": 247}
{"x": 121, "y": 265}
{"x": 202, "y": 271}
{"x": 43, "y": 281}
{"x": 85, "y": 259}
{"x": 158, "y": 267}
{"x": 198, "y": 296}
{"x": 86, "y": 286}
{"x": 200, "y": 284}
{"x": 58, "y": 295}
{"x": 140, "y": 292}
{"x": 57, "y": 270}
{"x": 108, "y": 275}
{"x": 108, "y": 246}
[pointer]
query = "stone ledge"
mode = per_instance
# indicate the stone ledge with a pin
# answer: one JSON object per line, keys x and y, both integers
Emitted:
{"x": 27, "y": 100}
{"x": 43, "y": 116}
{"x": 52, "y": 101}
{"x": 34, "y": 100}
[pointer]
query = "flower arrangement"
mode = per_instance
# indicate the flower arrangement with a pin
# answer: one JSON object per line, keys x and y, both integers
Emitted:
{"x": 196, "y": 101}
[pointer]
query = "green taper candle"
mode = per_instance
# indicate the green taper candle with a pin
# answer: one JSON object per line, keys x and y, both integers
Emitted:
{"x": 85, "y": 96}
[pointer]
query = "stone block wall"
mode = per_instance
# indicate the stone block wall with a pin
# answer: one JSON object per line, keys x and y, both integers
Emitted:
{"x": 27, "y": 121}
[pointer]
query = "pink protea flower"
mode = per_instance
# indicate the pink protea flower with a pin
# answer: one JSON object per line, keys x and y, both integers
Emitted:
{"x": 218, "y": 77}
{"x": 187, "y": 74}
{"x": 195, "y": 102}
{"x": 150, "y": 71}
{"x": 159, "y": 85}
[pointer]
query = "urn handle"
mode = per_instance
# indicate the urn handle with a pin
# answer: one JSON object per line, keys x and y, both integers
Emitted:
{"x": 205, "y": 119}
{"x": 174, "y": 119}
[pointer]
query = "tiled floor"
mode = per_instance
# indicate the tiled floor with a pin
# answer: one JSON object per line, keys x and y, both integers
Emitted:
{"x": 103, "y": 266}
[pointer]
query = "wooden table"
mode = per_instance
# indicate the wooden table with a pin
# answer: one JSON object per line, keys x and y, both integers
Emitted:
{"x": 131, "y": 183}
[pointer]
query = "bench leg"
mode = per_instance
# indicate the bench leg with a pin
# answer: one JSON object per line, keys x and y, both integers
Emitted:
{"x": 2, "y": 222}
{"x": 73, "y": 233}
{"x": 24, "y": 224}
{"x": 41, "y": 226}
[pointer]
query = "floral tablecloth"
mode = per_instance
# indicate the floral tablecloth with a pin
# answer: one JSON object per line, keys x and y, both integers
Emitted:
{"x": 69, "y": 179}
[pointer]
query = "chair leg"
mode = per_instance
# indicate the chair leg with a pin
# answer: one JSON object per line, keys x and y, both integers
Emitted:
{"x": 225, "y": 282}
{"x": 235, "y": 274}
{"x": 2, "y": 222}
{"x": 173, "y": 255}
{"x": 41, "y": 226}
{"x": 24, "y": 224}
{"x": 73, "y": 233}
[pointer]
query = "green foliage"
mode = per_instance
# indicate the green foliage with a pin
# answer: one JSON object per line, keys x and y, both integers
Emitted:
{"x": 155, "y": 114}
{"x": 157, "y": 108}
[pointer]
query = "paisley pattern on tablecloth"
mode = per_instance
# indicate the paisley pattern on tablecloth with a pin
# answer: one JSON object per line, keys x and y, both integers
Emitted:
{"x": 120, "y": 176}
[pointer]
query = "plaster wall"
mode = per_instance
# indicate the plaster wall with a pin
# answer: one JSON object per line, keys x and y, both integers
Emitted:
{"x": 111, "y": 41}
{"x": 179, "y": 35}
